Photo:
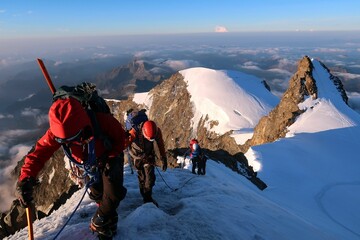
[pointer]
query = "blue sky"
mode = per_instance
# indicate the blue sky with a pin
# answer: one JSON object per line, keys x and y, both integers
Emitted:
{"x": 40, "y": 18}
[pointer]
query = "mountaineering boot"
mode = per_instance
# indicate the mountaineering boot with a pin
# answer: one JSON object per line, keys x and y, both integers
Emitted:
{"x": 104, "y": 226}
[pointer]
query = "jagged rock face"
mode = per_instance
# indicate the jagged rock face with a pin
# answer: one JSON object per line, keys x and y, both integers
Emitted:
{"x": 54, "y": 189}
{"x": 302, "y": 84}
{"x": 274, "y": 126}
{"x": 172, "y": 111}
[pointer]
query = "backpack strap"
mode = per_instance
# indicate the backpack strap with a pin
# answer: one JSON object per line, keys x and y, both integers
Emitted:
{"x": 98, "y": 134}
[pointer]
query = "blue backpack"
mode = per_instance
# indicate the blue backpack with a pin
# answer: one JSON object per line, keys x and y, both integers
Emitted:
{"x": 135, "y": 118}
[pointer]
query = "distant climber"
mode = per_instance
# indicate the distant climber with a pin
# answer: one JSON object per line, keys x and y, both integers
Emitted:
{"x": 197, "y": 157}
{"x": 143, "y": 135}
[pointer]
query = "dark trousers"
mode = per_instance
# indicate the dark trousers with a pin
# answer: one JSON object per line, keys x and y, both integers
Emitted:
{"x": 109, "y": 190}
{"x": 195, "y": 162}
{"x": 200, "y": 164}
{"x": 146, "y": 177}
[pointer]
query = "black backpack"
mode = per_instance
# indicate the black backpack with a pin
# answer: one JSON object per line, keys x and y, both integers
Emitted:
{"x": 87, "y": 95}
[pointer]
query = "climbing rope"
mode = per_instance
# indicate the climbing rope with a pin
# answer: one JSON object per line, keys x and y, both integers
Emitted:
{"x": 72, "y": 214}
{"x": 175, "y": 189}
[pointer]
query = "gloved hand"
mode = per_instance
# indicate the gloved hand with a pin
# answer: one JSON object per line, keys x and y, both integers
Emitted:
{"x": 164, "y": 164}
{"x": 24, "y": 190}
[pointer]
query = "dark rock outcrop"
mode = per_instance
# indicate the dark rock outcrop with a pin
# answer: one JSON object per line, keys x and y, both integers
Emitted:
{"x": 273, "y": 126}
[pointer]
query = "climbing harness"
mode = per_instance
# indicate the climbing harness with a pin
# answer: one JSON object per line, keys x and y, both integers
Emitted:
{"x": 91, "y": 173}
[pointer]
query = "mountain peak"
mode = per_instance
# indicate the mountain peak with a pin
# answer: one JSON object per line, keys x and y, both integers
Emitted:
{"x": 312, "y": 79}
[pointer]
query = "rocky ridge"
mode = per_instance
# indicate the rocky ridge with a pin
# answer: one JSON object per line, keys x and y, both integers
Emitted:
{"x": 302, "y": 84}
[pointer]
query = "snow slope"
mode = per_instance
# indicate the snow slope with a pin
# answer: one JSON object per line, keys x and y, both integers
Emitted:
{"x": 235, "y": 99}
{"x": 219, "y": 205}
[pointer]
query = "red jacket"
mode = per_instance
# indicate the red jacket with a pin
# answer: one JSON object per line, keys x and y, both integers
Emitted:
{"x": 47, "y": 145}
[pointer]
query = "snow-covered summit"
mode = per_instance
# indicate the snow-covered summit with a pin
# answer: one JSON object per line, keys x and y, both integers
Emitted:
{"x": 234, "y": 100}
{"x": 328, "y": 105}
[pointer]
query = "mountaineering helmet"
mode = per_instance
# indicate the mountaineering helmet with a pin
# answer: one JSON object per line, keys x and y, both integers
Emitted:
{"x": 149, "y": 130}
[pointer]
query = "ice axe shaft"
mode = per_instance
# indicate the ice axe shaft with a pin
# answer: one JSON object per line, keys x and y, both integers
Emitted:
{"x": 29, "y": 222}
{"x": 46, "y": 75}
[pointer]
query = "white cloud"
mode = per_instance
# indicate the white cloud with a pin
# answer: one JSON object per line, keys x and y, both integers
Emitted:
{"x": 221, "y": 29}
{"x": 142, "y": 54}
{"x": 30, "y": 112}
{"x": 42, "y": 119}
{"x": 7, "y": 182}
{"x": 347, "y": 76}
{"x": 57, "y": 63}
{"x": 36, "y": 113}
{"x": 181, "y": 64}
{"x": 27, "y": 97}
{"x": 6, "y": 116}
{"x": 354, "y": 100}
{"x": 103, "y": 55}
{"x": 3, "y": 62}
{"x": 330, "y": 50}
{"x": 2, "y": 10}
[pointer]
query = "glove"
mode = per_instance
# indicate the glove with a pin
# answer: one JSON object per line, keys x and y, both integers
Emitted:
{"x": 24, "y": 190}
{"x": 164, "y": 164}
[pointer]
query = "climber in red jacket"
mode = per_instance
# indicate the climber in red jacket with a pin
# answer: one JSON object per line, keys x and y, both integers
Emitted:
{"x": 72, "y": 128}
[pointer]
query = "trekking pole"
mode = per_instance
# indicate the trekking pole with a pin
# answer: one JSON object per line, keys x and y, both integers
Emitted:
{"x": 129, "y": 160}
{"x": 29, "y": 222}
{"x": 46, "y": 75}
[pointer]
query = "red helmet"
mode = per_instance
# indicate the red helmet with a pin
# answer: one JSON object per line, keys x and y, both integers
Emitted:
{"x": 192, "y": 141}
{"x": 149, "y": 130}
{"x": 67, "y": 118}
